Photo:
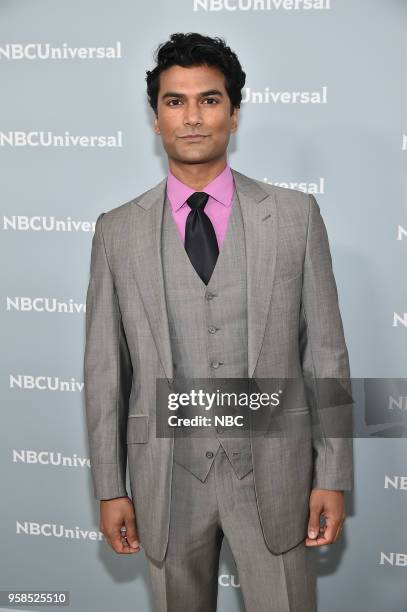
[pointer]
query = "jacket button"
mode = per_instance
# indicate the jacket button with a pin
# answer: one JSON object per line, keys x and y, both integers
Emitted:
{"x": 209, "y": 295}
{"x": 215, "y": 364}
{"x": 209, "y": 454}
{"x": 212, "y": 329}
{"x": 220, "y": 429}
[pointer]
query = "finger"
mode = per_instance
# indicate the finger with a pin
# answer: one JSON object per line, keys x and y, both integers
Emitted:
{"x": 326, "y": 537}
{"x": 116, "y": 542}
{"x": 131, "y": 532}
{"x": 123, "y": 537}
{"x": 313, "y": 523}
{"x": 340, "y": 527}
{"x": 331, "y": 528}
{"x": 317, "y": 541}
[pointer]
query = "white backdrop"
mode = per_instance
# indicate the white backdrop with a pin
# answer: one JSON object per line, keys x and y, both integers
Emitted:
{"x": 344, "y": 139}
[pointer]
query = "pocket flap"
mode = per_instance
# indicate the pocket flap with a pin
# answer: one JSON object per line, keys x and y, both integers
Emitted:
{"x": 137, "y": 428}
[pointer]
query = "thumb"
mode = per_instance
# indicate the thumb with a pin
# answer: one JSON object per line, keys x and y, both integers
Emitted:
{"x": 313, "y": 523}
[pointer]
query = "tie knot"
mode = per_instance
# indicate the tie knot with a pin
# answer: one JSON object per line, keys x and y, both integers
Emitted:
{"x": 198, "y": 199}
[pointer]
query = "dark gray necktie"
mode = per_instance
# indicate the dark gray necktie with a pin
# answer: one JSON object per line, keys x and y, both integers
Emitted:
{"x": 201, "y": 244}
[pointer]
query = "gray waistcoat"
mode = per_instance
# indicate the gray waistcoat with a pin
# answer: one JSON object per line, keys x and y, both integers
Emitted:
{"x": 208, "y": 331}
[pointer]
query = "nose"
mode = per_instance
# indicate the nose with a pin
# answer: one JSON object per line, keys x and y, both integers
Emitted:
{"x": 192, "y": 114}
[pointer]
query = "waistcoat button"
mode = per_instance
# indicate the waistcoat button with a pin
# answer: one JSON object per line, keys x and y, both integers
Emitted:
{"x": 209, "y": 454}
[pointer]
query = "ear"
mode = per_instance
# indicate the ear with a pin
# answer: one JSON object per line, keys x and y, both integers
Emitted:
{"x": 156, "y": 126}
{"x": 234, "y": 119}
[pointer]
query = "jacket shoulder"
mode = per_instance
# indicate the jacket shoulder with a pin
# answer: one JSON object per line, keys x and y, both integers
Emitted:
{"x": 118, "y": 215}
{"x": 282, "y": 194}
{"x": 293, "y": 205}
{"x": 287, "y": 195}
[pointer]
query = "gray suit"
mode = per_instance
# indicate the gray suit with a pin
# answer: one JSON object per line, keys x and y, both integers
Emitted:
{"x": 294, "y": 328}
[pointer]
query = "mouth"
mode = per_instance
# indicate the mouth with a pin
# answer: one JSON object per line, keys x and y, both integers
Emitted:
{"x": 193, "y": 137}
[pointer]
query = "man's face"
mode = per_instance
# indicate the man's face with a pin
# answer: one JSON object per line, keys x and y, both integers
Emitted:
{"x": 194, "y": 101}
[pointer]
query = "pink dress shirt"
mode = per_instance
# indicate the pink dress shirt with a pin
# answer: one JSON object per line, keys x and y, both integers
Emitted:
{"x": 218, "y": 206}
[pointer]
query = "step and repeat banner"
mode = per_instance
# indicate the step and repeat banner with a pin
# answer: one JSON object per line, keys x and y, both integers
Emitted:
{"x": 323, "y": 111}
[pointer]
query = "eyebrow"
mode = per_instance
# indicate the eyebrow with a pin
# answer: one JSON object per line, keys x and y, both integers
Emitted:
{"x": 175, "y": 94}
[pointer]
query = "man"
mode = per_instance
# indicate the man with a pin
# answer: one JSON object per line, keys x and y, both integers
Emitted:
{"x": 212, "y": 274}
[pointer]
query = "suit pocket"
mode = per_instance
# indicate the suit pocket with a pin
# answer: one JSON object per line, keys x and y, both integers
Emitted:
{"x": 302, "y": 410}
{"x": 137, "y": 428}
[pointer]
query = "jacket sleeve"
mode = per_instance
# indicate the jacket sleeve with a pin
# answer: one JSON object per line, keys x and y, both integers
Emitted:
{"x": 325, "y": 362}
{"x": 107, "y": 376}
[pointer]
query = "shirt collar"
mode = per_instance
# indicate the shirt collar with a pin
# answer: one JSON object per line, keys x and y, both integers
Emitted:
{"x": 220, "y": 188}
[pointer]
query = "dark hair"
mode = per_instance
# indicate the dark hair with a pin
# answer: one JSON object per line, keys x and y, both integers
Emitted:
{"x": 193, "y": 49}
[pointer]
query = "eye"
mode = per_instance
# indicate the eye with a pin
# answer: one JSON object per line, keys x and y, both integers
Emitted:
{"x": 205, "y": 100}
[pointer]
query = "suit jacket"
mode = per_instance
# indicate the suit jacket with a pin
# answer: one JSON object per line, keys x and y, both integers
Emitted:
{"x": 294, "y": 329}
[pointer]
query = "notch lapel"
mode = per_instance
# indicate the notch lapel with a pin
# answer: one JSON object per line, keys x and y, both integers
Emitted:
{"x": 148, "y": 269}
{"x": 260, "y": 229}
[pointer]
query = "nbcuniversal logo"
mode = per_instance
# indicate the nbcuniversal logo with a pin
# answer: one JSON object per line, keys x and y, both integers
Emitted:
{"x": 65, "y": 140}
{"x": 55, "y": 458}
{"x": 398, "y": 483}
{"x": 30, "y": 528}
{"x": 261, "y": 5}
{"x": 401, "y": 232}
{"x": 399, "y": 319}
{"x": 45, "y": 51}
{"x": 316, "y": 187}
{"x": 38, "y": 223}
{"x": 45, "y": 383}
{"x": 285, "y": 97}
{"x": 228, "y": 580}
{"x": 395, "y": 559}
{"x": 43, "y": 304}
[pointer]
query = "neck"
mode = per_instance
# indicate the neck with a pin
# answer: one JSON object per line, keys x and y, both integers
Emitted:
{"x": 197, "y": 176}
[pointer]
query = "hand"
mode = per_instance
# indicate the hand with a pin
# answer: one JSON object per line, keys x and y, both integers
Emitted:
{"x": 329, "y": 504}
{"x": 115, "y": 514}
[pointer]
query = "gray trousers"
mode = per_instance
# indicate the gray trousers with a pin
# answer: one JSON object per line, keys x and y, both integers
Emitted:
{"x": 202, "y": 513}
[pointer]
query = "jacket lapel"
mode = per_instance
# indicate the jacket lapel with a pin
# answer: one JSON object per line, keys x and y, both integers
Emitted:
{"x": 260, "y": 230}
{"x": 148, "y": 269}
